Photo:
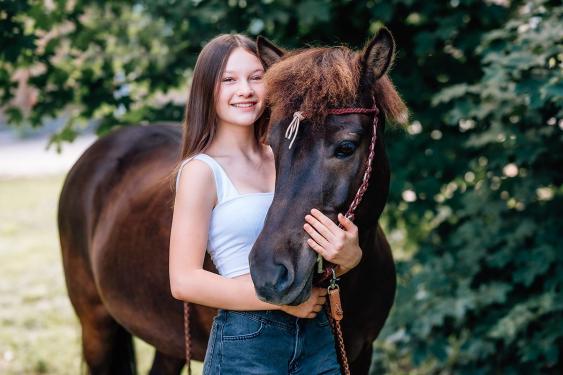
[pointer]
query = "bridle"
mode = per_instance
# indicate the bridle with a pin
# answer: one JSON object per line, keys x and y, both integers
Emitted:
{"x": 325, "y": 273}
{"x": 328, "y": 271}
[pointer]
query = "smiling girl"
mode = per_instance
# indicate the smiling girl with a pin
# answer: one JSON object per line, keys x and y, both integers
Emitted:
{"x": 224, "y": 188}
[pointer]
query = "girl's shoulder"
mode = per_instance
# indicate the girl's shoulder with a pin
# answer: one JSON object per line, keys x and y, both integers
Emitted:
{"x": 194, "y": 173}
{"x": 203, "y": 171}
{"x": 190, "y": 168}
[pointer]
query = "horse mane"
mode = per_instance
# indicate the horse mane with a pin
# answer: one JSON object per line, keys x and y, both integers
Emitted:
{"x": 315, "y": 80}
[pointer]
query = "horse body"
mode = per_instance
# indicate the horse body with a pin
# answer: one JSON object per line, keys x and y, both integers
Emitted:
{"x": 114, "y": 225}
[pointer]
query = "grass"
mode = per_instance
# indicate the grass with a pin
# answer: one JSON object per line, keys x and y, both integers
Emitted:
{"x": 39, "y": 332}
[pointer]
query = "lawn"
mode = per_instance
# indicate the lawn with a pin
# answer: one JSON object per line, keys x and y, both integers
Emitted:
{"x": 39, "y": 333}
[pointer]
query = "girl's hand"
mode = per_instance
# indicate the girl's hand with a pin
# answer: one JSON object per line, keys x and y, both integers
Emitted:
{"x": 309, "y": 308}
{"x": 337, "y": 245}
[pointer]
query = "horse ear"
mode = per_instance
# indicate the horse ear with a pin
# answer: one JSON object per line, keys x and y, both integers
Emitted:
{"x": 378, "y": 54}
{"x": 268, "y": 52}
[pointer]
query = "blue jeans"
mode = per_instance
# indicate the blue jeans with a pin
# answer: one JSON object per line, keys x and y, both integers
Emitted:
{"x": 270, "y": 343}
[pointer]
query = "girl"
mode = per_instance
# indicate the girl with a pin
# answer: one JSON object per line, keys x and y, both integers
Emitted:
{"x": 226, "y": 170}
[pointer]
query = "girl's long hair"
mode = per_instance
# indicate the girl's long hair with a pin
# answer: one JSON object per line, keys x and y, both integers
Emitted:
{"x": 200, "y": 117}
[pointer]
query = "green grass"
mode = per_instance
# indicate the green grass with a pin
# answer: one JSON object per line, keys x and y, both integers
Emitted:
{"x": 39, "y": 332}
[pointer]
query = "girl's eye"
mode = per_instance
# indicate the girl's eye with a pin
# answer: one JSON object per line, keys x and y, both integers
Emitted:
{"x": 228, "y": 79}
{"x": 256, "y": 78}
{"x": 345, "y": 149}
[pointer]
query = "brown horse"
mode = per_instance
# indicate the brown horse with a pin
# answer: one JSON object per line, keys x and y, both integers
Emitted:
{"x": 115, "y": 215}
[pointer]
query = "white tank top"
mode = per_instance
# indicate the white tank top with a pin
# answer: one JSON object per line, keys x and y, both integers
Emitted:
{"x": 236, "y": 221}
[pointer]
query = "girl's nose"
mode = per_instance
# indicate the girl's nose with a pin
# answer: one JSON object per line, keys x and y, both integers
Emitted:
{"x": 245, "y": 89}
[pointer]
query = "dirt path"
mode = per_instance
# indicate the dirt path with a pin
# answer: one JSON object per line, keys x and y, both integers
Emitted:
{"x": 25, "y": 158}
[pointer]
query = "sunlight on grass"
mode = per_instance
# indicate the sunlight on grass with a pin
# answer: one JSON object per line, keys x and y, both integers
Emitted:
{"x": 39, "y": 332}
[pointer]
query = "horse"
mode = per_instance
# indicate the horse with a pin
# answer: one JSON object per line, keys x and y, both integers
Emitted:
{"x": 115, "y": 213}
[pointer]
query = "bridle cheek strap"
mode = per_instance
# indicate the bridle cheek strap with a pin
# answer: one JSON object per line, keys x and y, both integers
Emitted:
{"x": 326, "y": 272}
{"x": 350, "y": 214}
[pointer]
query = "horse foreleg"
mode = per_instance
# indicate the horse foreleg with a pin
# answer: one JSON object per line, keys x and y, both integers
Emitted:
{"x": 107, "y": 347}
{"x": 166, "y": 365}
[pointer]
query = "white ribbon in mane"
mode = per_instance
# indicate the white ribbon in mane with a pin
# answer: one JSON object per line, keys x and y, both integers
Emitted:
{"x": 293, "y": 127}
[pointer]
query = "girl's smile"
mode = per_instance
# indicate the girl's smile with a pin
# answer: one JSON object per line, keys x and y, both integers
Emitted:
{"x": 249, "y": 106}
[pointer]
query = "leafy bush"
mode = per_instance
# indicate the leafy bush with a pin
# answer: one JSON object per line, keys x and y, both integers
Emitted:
{"x": 483, "y": 292}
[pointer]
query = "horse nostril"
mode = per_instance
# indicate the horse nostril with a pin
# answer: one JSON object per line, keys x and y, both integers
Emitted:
{"x": 283, "y": 279}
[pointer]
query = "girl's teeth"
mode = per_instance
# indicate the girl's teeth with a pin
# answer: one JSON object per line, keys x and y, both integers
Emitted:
{"x": 245, "y": 105}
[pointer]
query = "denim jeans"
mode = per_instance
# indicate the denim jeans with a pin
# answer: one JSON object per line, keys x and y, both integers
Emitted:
{"x": 268, "y": 343}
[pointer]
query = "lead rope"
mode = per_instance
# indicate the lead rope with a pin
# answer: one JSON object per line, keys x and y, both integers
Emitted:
{"x": 335, "y": 316}
{"x": 188, "y": 337}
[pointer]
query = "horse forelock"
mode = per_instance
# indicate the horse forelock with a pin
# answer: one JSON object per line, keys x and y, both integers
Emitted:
{"x": 313, "y": 81}
{"x": 316, "y": 80}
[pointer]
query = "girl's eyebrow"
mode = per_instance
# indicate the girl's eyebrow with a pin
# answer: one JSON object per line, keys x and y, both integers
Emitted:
{"x": 231, "y": 72}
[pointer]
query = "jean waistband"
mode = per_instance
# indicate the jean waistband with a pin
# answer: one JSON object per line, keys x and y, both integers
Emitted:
{"x": 276, "y": 317}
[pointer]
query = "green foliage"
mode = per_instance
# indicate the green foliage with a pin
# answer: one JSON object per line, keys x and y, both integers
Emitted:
{"x": 476, "y": 183}
{"x": 484, "y": 288}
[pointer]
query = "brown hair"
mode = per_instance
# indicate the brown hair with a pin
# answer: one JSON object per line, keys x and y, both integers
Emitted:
{"x": 200, "y": 117}
{"x": 317, "y": 79}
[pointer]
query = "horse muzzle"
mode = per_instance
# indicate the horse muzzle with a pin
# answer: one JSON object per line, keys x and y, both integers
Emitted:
{"x": 286, "y": 280}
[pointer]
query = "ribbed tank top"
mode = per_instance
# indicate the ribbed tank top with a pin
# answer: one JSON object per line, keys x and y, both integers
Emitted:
{"x": 236, "y": 221}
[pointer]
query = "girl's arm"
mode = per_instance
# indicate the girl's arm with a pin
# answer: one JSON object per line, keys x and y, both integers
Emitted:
{"x": 195, "y": 198}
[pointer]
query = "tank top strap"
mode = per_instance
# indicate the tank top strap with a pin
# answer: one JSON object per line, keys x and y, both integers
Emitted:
{"x": 223, "y": 185}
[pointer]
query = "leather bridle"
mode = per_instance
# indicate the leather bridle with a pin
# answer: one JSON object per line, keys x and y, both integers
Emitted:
{"x": 325, "y": 273}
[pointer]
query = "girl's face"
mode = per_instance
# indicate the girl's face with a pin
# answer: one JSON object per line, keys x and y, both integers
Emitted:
{"x": 240, "y": 96}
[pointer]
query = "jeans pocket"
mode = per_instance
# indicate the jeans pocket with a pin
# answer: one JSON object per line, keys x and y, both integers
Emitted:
{"x": 241, "y": 326}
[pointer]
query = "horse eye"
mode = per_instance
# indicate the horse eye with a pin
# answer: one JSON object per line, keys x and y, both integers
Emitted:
{"x": 345, "y": 149}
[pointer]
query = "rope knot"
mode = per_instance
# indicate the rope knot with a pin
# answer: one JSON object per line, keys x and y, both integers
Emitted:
{"x": 293, "y": 127}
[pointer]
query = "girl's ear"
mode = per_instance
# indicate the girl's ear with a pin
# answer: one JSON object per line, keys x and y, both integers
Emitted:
{"x": 378, "y": 54}
{"x": 268, "y": 52}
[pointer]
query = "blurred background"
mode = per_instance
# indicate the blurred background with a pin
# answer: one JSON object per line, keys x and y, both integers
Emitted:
{"x": 475, "y": 210}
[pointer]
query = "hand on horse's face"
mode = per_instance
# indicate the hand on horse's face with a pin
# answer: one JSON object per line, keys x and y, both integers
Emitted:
{"x": 337, "y": 245}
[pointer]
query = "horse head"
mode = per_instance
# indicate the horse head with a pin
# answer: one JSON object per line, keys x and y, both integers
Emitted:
{"x": 321, "y": 164}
